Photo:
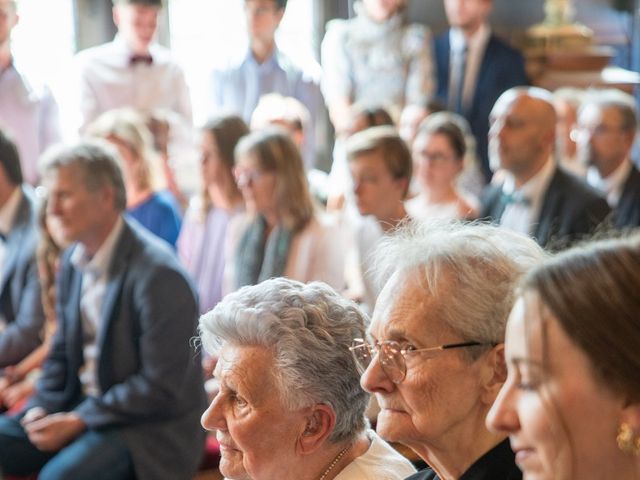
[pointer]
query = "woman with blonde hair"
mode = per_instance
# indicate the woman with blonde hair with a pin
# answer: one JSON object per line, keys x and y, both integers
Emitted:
{"x": 281, "y": 234}
{"x": 202, "y": 238}
{"x": 571, "y": 402}
{"x": 147, "y": 200}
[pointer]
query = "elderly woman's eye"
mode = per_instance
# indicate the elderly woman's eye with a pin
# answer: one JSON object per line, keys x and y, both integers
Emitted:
{"x": 239, "y": 401}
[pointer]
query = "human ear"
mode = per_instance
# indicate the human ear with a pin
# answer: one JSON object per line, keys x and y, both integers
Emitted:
{"x": 494, "y": 374}
{"x": 319, "y": 425}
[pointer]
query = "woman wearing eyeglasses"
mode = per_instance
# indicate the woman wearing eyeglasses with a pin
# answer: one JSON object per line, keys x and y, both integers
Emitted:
{"x": 571, "y": 402}
{"x": 434, "y": 356}
{"x": 281, "y": 234}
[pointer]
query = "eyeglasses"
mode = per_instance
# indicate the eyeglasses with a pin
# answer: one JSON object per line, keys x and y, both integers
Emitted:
{"x": 246, "y": 176}
{"x": 392, "y": 356}
{"x": 584, "y": 133}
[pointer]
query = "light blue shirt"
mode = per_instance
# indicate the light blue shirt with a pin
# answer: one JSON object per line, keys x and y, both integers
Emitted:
{"x": 237, "y": 87}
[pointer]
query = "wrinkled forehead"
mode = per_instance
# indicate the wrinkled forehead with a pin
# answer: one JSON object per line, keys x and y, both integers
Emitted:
{"x": 407, "y": 308}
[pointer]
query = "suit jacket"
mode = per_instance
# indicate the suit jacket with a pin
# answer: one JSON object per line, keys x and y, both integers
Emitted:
{"x": 150, "y": 378}
{"x": 571, "y": 209}
{"x": 20, "y": 301}
{"x": 627, "y": 213}
{"x": 502, "y": 67}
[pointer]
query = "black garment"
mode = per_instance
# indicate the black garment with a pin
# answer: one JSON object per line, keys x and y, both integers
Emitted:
{"x": 570, "y": 210}
{"x": 497, "y": 464}
{"x": 627, "y": 213}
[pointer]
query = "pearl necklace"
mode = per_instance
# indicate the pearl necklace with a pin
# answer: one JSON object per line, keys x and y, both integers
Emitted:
{"x": 335, "y": 461}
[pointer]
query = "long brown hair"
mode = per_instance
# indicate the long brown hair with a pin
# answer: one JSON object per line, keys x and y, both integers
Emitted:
{"x": 274, "y": 151}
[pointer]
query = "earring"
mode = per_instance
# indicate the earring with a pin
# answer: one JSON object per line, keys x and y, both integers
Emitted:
{"x": 626, "y": 441}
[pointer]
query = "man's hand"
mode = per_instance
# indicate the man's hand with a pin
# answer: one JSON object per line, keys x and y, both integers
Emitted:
{"x": 52, "y": 432}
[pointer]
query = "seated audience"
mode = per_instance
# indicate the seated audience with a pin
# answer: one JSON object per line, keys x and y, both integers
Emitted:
{"x": 121, "y": 391}
{"x": 18, "y": 381}
{"x": 380, "y": 164}
{"x": 571, "y": 402}
{"x": 156, "y": 209}
{"x": 290, "y": 405}
{"x": 21, "y": 315}
{"x": 204, "y": 230}
{"x": 606, "y": 128}
{"x": 281, "y": 233}
{"x": 440, "y": 150}
{"x": 537, "y": 197}
{"x": 433, "y": 355}
{"x": 566, "y": 102}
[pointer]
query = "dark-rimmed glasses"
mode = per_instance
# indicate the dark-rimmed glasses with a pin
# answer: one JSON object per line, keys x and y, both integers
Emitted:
{"x": 392, "y": 355}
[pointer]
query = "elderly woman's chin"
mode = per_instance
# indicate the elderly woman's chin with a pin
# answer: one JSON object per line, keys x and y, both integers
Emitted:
{"x": 231, "y": 465}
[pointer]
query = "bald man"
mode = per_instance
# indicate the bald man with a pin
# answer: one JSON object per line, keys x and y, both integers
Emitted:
{"x": 537, "y": 197}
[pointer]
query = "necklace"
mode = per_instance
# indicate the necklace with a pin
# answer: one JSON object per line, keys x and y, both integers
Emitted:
{"x": 335, "y": 461}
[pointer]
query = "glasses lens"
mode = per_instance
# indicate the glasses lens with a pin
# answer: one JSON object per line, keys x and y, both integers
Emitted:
{"x": 361, "y": 352}
{"x": 392, "y": 361}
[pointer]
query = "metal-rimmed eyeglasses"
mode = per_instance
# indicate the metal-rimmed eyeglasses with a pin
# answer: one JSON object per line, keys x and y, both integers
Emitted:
{"x": 392, "y": 355}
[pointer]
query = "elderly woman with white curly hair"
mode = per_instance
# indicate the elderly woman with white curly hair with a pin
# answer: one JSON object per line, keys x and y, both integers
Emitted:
{"x": 290, "y": 405}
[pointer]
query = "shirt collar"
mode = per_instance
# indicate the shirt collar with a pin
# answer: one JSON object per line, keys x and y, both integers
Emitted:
{"x": 612, "y": 185}
{"x": 100, "y": 262}
{"x": 9, "y": 210}
{"x": 125, "y": 51}
{"x": 479, "y": 39}
{"x": 269, "y": 64}
{"x": 536, "y": 186}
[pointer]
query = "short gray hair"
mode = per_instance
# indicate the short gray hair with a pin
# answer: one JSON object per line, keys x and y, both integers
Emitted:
{"x": 309, "y": 329}
{"x": 97, "y": 161}
{"x": 480, "y": 263}
{"x": 613, "y": 98}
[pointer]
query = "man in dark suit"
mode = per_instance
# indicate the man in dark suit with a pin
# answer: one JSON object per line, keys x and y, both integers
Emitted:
{"x": 606, "y": 130}
{"x": 21, "y": 315}
{"x": 122, "y": 392}
{"x": 537, "y": 197}
{"x": 474, "y": 67}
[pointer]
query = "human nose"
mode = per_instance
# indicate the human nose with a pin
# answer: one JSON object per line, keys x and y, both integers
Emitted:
{"x": 374, "y": 379}
{"x": 502, "y": 416}
{"x": 213, "y": 416}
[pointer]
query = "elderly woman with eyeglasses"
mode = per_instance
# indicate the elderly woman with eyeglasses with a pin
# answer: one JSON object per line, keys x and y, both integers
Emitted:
{"x": 433, "y": 356}
{"x": 290, "y": 405}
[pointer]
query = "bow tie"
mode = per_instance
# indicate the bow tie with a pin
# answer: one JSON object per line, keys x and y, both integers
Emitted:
{"x": 144, "y": 59}
{"x": 515, "y": 198}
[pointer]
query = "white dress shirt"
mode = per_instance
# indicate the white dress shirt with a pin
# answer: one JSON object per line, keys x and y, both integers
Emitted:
{"x": 522, "y": 215}
{"x": 29, "y": 113}
{"x": 95, "y": 277}
{"x": 612, "y": 185}
{"x": 108, "y": 80}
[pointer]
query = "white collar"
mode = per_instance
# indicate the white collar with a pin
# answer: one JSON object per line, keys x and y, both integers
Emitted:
{"x": 479, "y": 39}
{"x": 9, "y": 210}
{"x": 612, "y": 185}
{"x": 100, "y": 262}
{"x": 535, "y": 188}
